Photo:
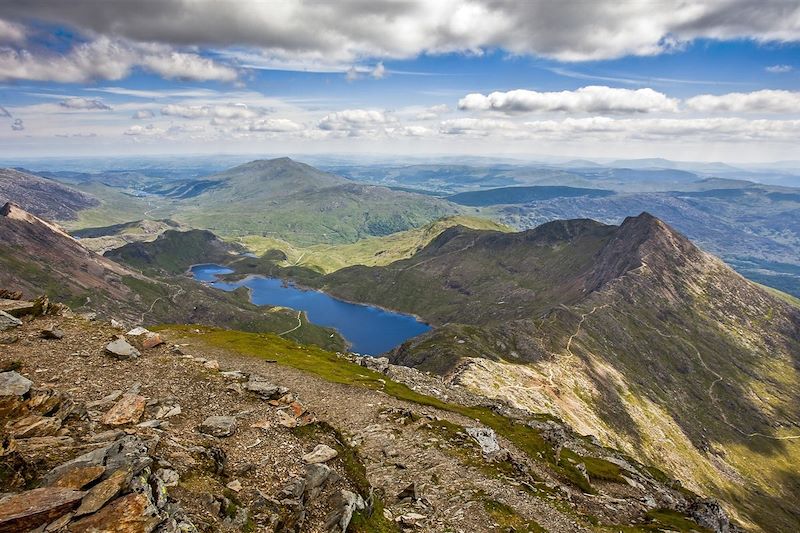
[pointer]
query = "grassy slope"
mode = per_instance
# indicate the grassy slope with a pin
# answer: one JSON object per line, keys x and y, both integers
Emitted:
{"x": 373, "y": 251}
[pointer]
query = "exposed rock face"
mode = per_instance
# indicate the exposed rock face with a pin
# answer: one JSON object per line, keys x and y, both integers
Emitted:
{"x": 8, "y": 321}
{"x": 122, "y": 350}
{"x": 13, "y": 384}
{"x": 218, "y": 426}
{"x": 41, "y": 196}
{"x": 30, "y": 509}
{"x": 485, "y": 438}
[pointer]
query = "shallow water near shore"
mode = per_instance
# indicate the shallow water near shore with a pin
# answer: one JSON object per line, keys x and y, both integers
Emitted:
{"x": 370, "y": 330}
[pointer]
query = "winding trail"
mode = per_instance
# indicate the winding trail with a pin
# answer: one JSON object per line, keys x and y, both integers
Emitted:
{"x": 299, "y": 324}
{"x": 710, "y": 391}
{"x": 179, "y": 290}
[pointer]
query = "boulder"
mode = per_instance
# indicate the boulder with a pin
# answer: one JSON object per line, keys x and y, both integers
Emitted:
{"x": 264, "y": 389}
{"x": 13, "y": 384}
{"x": 486, "y": 439}
{"x": 8, "y": 321}
{"x": 218, "y": 426}
{"x": 322, "y": 453}
{"x": 137, "y": 331}
{"x": 120, "y": 349}
{"x": 101, "y": 493}
{"x": 78, "y": 477}
{"x": 132, "y": 513}
{"x": 212, "y": 364}
{"x": 151, "y": 340}
{"x": 378, "y": 364}
{"x": 345, "y": 504}
{"x": 128, "y": 410}
{"x": 53, "y": 333}
{"x": 33, "y": 508}
{"x": 17, "y": 308}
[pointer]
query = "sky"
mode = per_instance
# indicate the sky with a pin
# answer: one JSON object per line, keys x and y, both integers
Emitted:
{"x": 703, "y": 80}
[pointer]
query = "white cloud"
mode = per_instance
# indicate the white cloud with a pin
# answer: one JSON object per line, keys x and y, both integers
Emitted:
{"x": 220, "y": 112}
{"x": 107, "y": 59}
{"x": 591, "y": 99}
{"x": 11, "y": 33}
{"x": 300, "y": 32}
{"x": 84, "y": 104}
{"x": 142, "y": 114}
{"x": 779, "y": 69}
{"x": 379, "y": 72}
{"x": 766, "y": 101}
{"x": 432, "y": 112}
{"x": 355, "y": 120}
{"x": 150, "y": 130}
{"x": 275, "y": 125}
{"x": 475, "y": 126}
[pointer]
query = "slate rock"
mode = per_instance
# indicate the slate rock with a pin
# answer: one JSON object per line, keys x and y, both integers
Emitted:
{"x": 128, "y": 410}
{"x": 33, "y": 508}
{"x": 14, "y": 384}
{"x": 486, "y": 439}
{"x": 53, "y": 333}
{"x": 8, "y": 321}
{"x": 218, "y": 426}
{"x": 264, "y": 389}
{"x": 120, "y": 349}
{"x": 78, "y": 477}
{"x": 132, "y": 513}
{"x": 101, "y": 493}
{"x": 322, "y": 453}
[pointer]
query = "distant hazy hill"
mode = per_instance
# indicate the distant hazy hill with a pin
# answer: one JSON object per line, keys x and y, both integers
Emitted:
{"x": 296, "y": 202}
{"x": 523, "y": 195}
{"x": 623, "y": 330}
{"x": 41, "y": 196}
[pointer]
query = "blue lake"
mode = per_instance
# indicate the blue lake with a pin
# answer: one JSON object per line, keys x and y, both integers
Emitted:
{"x": 369, "y": 330}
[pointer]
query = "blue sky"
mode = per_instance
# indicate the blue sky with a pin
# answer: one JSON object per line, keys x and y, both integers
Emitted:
{"x": 717, "y": 80}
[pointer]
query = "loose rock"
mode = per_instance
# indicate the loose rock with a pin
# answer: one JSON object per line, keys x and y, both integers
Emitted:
{"x": 322, "y": 453}
{"x": 128, "y": 410}
{"x": 218, "y": 426}
{"x": 120, "y": 349}
{"x": 14, "y": 384}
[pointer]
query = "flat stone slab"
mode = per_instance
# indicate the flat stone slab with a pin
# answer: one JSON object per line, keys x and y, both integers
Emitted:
{"x": 17, "y": 308}
{"x": 14, "y": 384}
{"x": 8, "y": 321}
{"x": 122, "y": 350}
{"x": 265, "y": 390}
{"x": 218, "y": 426}
{"x": 30, "y": 509}
{"x": 322, "y": 453}
{"x": 128, "y": 410}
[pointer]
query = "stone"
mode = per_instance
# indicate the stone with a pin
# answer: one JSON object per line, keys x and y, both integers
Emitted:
{"x": 17, "y": 308}
{"x": 409, "y": 493}
{"x": 322, "y": 453}
{"x": 120, "y": 349}
{"x": 167, "y": 411}
{"x": 234, "y": 374}
{"x": 264, "y": 389}
{"x": 116, "y": 324}
{"x": 128, "y": 410}
{"x": 101, "y": 493}
{"x": 287, "y": 420}
{"x": 53, "y": 333}
{"x": 36, "y": 444}
{"x": 8, "y": 321}
{"x": 212, "y": 364}
{"x": 33, "y": 508}
{"x": 235, "y": 485}
{"x": 14, "y": 384}
{"x": 60, "y": 523}
{"x": 168, "y": 477}
{"x": 316, "y": 476}
{"x": 378, "y": 364}
{"x": 151, "y": 340}
{"x": 78, "y": 477}
{"x": 344, "y": 505}
{"x": 486, "y": 439}
{"x": 104, "y": 436}
{"x": 34, "y": 426}
{"x": 132, "y": 513}
{"x": 218, "y": 426}
{"x": 137, "y": 331}
{"x": 410, "y": 519}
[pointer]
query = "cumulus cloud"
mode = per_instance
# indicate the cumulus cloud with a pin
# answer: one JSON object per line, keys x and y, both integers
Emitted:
{"x": 17, "y": 125}
{"x": 379, "y": 72}
{"x": 766, "y": 101}
{"x": 352, "y": 29}
{"x": 779, "y": 69}
{"x": 148, "y": 130}
{"x": 11, "y": 33}
{"x": 108, "y": 59}
{"x": 356, "y": 120}
{"x": 591, "y": 99}
{"x": 432, "y": 112}
{"x": 218, "y": 112}
{"x": 275, "y": 125}
{"x": 143, "y": 114}
{"x": 475, "y": 126}
{"x": 84, "y": 104}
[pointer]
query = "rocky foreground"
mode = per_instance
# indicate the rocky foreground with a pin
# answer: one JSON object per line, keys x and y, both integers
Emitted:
{"x": 107, "y": 428}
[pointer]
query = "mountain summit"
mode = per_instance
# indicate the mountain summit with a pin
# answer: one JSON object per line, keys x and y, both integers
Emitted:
{"x": 622, "y": 330}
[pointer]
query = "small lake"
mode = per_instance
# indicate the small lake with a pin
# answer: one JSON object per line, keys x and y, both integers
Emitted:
{"x": 369, "y": 330}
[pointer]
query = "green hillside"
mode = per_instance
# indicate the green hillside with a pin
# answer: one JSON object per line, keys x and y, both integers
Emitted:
{"x": 524, "y": 195}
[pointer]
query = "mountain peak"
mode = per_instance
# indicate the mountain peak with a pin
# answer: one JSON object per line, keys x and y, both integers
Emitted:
{"x": 12, "y": 211}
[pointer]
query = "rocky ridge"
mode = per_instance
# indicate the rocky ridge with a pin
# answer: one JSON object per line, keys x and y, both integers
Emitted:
{"x": 185, "y": 436}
